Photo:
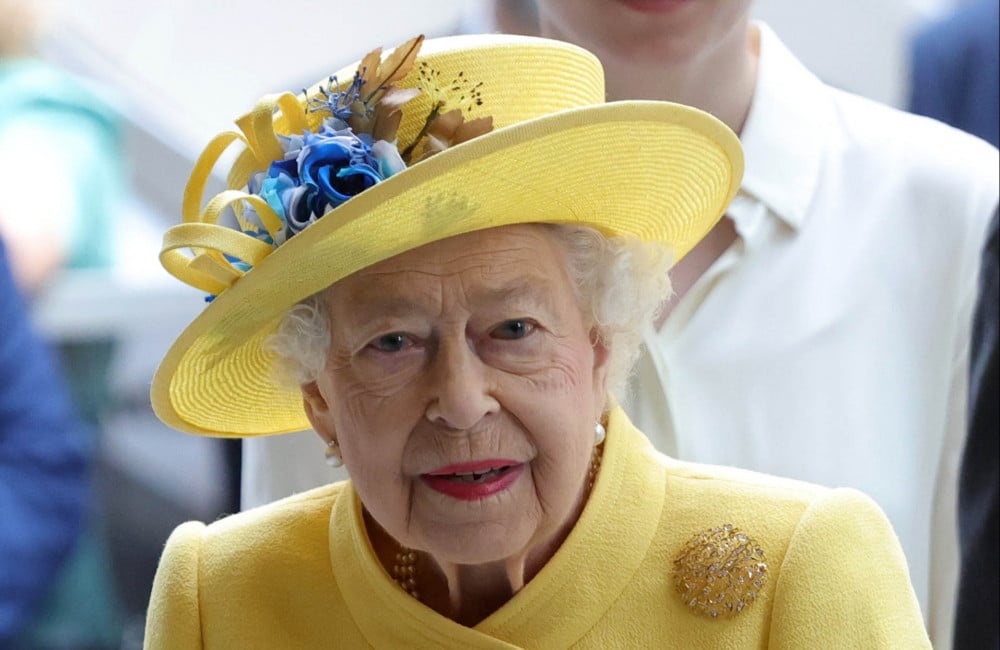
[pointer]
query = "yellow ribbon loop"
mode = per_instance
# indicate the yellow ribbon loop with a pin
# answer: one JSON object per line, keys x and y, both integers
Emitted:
{"x": 245, "y": 165}
{"x": 292, "y": 113}
{"x": 258, "y": 127}
{"x": 195, "y": 189}
{"x": 213, "y": 268}
{"x": 207, "y": 269}
{"x": 292, "y": 119}
{"x": 268, "y": 218}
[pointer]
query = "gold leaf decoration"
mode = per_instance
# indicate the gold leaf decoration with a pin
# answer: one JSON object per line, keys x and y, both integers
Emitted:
{"x": 451, "y": 128}
{"x": 388, "y": 112}
{"x": 379, "y": 74}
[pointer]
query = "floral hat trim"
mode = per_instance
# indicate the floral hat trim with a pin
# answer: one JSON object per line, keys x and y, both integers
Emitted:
{"x": 294, "y": 176}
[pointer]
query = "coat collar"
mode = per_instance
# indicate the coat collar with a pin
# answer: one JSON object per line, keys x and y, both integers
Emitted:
{"x": 588, "y": 572}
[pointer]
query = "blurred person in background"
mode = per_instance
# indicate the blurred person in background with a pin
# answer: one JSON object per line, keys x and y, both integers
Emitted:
{"x": 44, "y": 466}
{"x": 955, "y": 78}
{"x": 977, "y": 617}
{"x": 53, "y": 126}
{"x": 503, "y": 16}
{"x": 61, "y": 187}
{"x": 955, "y": 69}
{"x": 858, "y": 226}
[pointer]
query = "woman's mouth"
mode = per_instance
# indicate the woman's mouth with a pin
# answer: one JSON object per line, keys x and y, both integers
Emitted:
{"x": 473, "y": 477}
{"x": 473, "y": 481}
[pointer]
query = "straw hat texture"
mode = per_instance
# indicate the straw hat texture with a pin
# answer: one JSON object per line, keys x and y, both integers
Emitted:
{"x": 556, "y": 152}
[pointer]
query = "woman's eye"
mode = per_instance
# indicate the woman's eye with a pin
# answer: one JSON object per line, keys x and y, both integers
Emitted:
{"x": 513, "y": 329}
{"x": 390, "y": 342}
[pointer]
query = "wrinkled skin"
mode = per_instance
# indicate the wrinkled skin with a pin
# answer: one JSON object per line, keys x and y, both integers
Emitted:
{"x": 466, "y": 349}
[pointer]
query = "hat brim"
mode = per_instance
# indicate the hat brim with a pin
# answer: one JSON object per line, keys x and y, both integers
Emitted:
{"x": 658, "y": 171}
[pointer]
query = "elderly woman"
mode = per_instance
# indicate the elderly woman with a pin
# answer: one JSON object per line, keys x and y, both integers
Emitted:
{"x": 444, "y": 262}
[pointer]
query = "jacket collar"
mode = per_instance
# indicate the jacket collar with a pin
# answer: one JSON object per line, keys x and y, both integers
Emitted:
{"x": 589, "y": 571}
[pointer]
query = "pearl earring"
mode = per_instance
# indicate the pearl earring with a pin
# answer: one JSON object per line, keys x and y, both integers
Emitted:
{"x": 599, "y": 433}
{"x": 332, "y": 454}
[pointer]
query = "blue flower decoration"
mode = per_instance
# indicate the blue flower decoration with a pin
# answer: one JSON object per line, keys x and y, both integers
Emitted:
{"x": 354, "y": 147}
{"x": 332, "y": 168}
{"x": 319, "y": 172}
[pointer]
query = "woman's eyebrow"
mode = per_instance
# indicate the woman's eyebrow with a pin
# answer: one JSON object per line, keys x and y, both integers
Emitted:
{"x": 371, "y": 302}
{"x": 535, "y": 290}
{"x": 386, "y": 307}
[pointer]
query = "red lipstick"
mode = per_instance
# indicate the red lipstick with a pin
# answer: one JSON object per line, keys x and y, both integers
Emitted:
{"x": 475, "y": 480}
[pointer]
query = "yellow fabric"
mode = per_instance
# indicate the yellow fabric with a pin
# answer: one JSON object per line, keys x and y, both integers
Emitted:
{"x": 558, "y": 153}
{"x": 300, "y": 573}
{"x": 204, "y": 271}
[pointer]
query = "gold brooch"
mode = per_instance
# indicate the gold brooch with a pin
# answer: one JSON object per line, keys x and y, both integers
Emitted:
{"x": 719, "y": 572}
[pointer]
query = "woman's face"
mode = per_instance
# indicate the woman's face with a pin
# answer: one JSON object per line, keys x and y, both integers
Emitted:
{"x": 463, "y": 385}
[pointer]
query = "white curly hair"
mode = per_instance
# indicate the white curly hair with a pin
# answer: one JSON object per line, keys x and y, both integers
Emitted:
{"x": 620, "y": 283}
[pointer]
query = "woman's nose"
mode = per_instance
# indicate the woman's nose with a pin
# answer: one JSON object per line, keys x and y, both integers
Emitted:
{"x": 458, "y": 387}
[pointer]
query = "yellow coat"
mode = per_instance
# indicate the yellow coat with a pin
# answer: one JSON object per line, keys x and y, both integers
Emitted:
{"x": 300, "y": 573}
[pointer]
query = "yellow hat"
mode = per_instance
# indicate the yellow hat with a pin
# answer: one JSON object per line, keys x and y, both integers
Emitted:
{"x": 554, "y": 152}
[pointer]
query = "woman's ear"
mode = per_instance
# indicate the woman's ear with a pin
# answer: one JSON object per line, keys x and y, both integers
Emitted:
{"x": 602, "y": 357}
{"x": 317, "y": 410}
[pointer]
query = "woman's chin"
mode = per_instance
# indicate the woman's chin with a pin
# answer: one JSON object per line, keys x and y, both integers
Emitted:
{"x": 474, "y": 531}
{"x": 483, "y": 546}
